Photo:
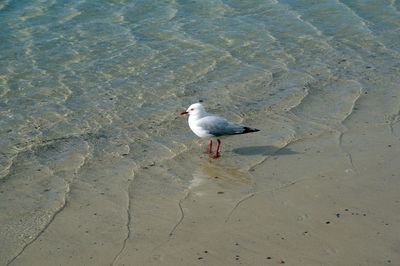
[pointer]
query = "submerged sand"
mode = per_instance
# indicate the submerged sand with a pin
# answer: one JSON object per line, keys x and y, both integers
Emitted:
{"x": 330, "y": 199}
{"x": 98, "y": 168}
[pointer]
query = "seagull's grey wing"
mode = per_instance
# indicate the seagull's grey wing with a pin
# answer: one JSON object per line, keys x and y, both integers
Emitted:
{"x": 219, "y": 126}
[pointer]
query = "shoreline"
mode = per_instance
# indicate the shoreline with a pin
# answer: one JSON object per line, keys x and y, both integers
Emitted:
{"x": 97, "y": 167}
{"x": 330, "y": 199}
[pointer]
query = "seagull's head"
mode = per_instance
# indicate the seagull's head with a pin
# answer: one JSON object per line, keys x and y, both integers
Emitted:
{"x": 195, "y": 109}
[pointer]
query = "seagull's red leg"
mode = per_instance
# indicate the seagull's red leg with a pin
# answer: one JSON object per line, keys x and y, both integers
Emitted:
{"x": 216, "y": 153}
{"x": 210, "y": 148}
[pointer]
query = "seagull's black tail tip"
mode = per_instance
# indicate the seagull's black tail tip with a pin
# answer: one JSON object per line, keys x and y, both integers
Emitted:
{"x": 249, "y": 130}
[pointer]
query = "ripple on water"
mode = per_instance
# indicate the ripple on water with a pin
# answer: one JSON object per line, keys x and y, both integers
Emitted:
{"x": 90, "y": 85}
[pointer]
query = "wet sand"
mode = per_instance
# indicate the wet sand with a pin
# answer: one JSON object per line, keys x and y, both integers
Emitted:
{"x": 98, "y": 168}
{"x": 330, "y": 199}
{"x": 326, "y": 200}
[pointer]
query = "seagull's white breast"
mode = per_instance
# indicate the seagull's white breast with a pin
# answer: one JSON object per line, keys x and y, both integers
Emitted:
{"x": 199, "y": 131}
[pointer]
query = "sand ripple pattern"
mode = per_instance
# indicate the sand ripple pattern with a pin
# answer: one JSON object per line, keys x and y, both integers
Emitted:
{"x": 91, "y": 90}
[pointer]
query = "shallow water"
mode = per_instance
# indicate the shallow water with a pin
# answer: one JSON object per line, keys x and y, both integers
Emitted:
{"x": 88, "y": 85}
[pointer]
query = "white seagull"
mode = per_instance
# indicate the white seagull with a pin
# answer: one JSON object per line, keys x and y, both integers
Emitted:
{"x": 207, "y": 125}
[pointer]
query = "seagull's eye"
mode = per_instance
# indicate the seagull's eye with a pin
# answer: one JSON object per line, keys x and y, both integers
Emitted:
{"x": 192, "y": 109}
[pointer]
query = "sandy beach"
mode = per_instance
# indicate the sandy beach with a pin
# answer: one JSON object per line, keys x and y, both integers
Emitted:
{"x": 98, "y": 167}
{"x": 330, "y": 199}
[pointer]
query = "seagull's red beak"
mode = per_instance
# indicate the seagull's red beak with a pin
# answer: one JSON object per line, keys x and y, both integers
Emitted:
{"x": 184, "y": 113}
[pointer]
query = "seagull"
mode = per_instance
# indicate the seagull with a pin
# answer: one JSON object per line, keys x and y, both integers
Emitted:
{"x": 207, "y": 125}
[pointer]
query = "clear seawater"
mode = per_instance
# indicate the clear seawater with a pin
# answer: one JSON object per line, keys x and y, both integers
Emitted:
{"x": 86, "y": 85}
